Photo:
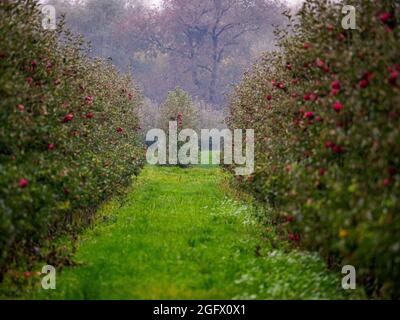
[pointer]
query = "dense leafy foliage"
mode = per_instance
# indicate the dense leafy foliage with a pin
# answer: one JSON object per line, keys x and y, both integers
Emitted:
{"x": 326, "y": 114}
{"x": 68, "y": 132}
{"x": 178, "y": 106}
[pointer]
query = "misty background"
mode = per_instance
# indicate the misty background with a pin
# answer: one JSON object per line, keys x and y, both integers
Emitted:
{"x": 204, "y": 47}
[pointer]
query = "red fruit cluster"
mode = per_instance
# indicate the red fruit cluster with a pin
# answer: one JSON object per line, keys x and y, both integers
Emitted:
{"x": 89, "y": 115}
{"x": 334, "y": 147}
{"x": 278, "y": 84}
{"x": 394, "y": 74}
{"x": 384, "y": 17}
{"x": 310, "y": 97}
{"x": 309, "y": 115}
{"x": 365, "y": 80}
{"x": 337, "y": 106}
{"x": 295, "y": 237}
{"x": 89, "y": 100}
{"x": 322, "y": 65}
{"x": 363, "y": 83}
{"x": 23, "y": 183}
{"x": 388, "y": 19}
{"x": 322, "y": 172}
{"x": 336, "y": 86}
{"x": 68, "y": 118}
{"x": 330, "y": 27}
{"x": 180, "y": 119}
{"x": 290, "y": 219}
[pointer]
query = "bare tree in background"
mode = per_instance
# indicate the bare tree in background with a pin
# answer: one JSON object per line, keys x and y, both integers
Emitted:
{"x": 201, "y": 35}
{"x": 202, "y": 46}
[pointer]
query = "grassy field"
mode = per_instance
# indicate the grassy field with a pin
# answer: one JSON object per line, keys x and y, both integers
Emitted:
{"x": 179, "y": 234}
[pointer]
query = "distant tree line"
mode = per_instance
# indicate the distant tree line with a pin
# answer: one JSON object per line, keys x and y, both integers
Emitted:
{"x": 202, "y": 46}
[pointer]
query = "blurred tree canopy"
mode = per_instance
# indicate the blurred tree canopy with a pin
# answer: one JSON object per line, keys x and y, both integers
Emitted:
{"x": 202, "y": 46}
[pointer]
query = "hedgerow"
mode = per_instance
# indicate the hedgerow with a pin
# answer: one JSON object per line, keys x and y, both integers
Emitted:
{"x": 326, "y": 112}
{"x": 68, "y": 133}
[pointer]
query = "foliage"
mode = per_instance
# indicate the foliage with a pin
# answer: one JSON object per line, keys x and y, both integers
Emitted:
{"x": 68, "y": 133}
{"x": 209, "y": 117}
{"x": 326, "y": 114}
{"x": 149, "y": 114}
{"x": 205, "y": 116}
{"x": 178, "y": 106}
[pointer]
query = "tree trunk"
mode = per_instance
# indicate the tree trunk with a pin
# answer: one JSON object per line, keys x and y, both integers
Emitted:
{"x": 214, "y": 74}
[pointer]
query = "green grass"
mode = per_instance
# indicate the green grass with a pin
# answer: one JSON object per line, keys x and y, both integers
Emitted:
{"x": 179, "y": 235}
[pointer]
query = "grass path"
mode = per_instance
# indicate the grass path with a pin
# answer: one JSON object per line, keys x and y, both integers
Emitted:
{"x": 177, "y": 235}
